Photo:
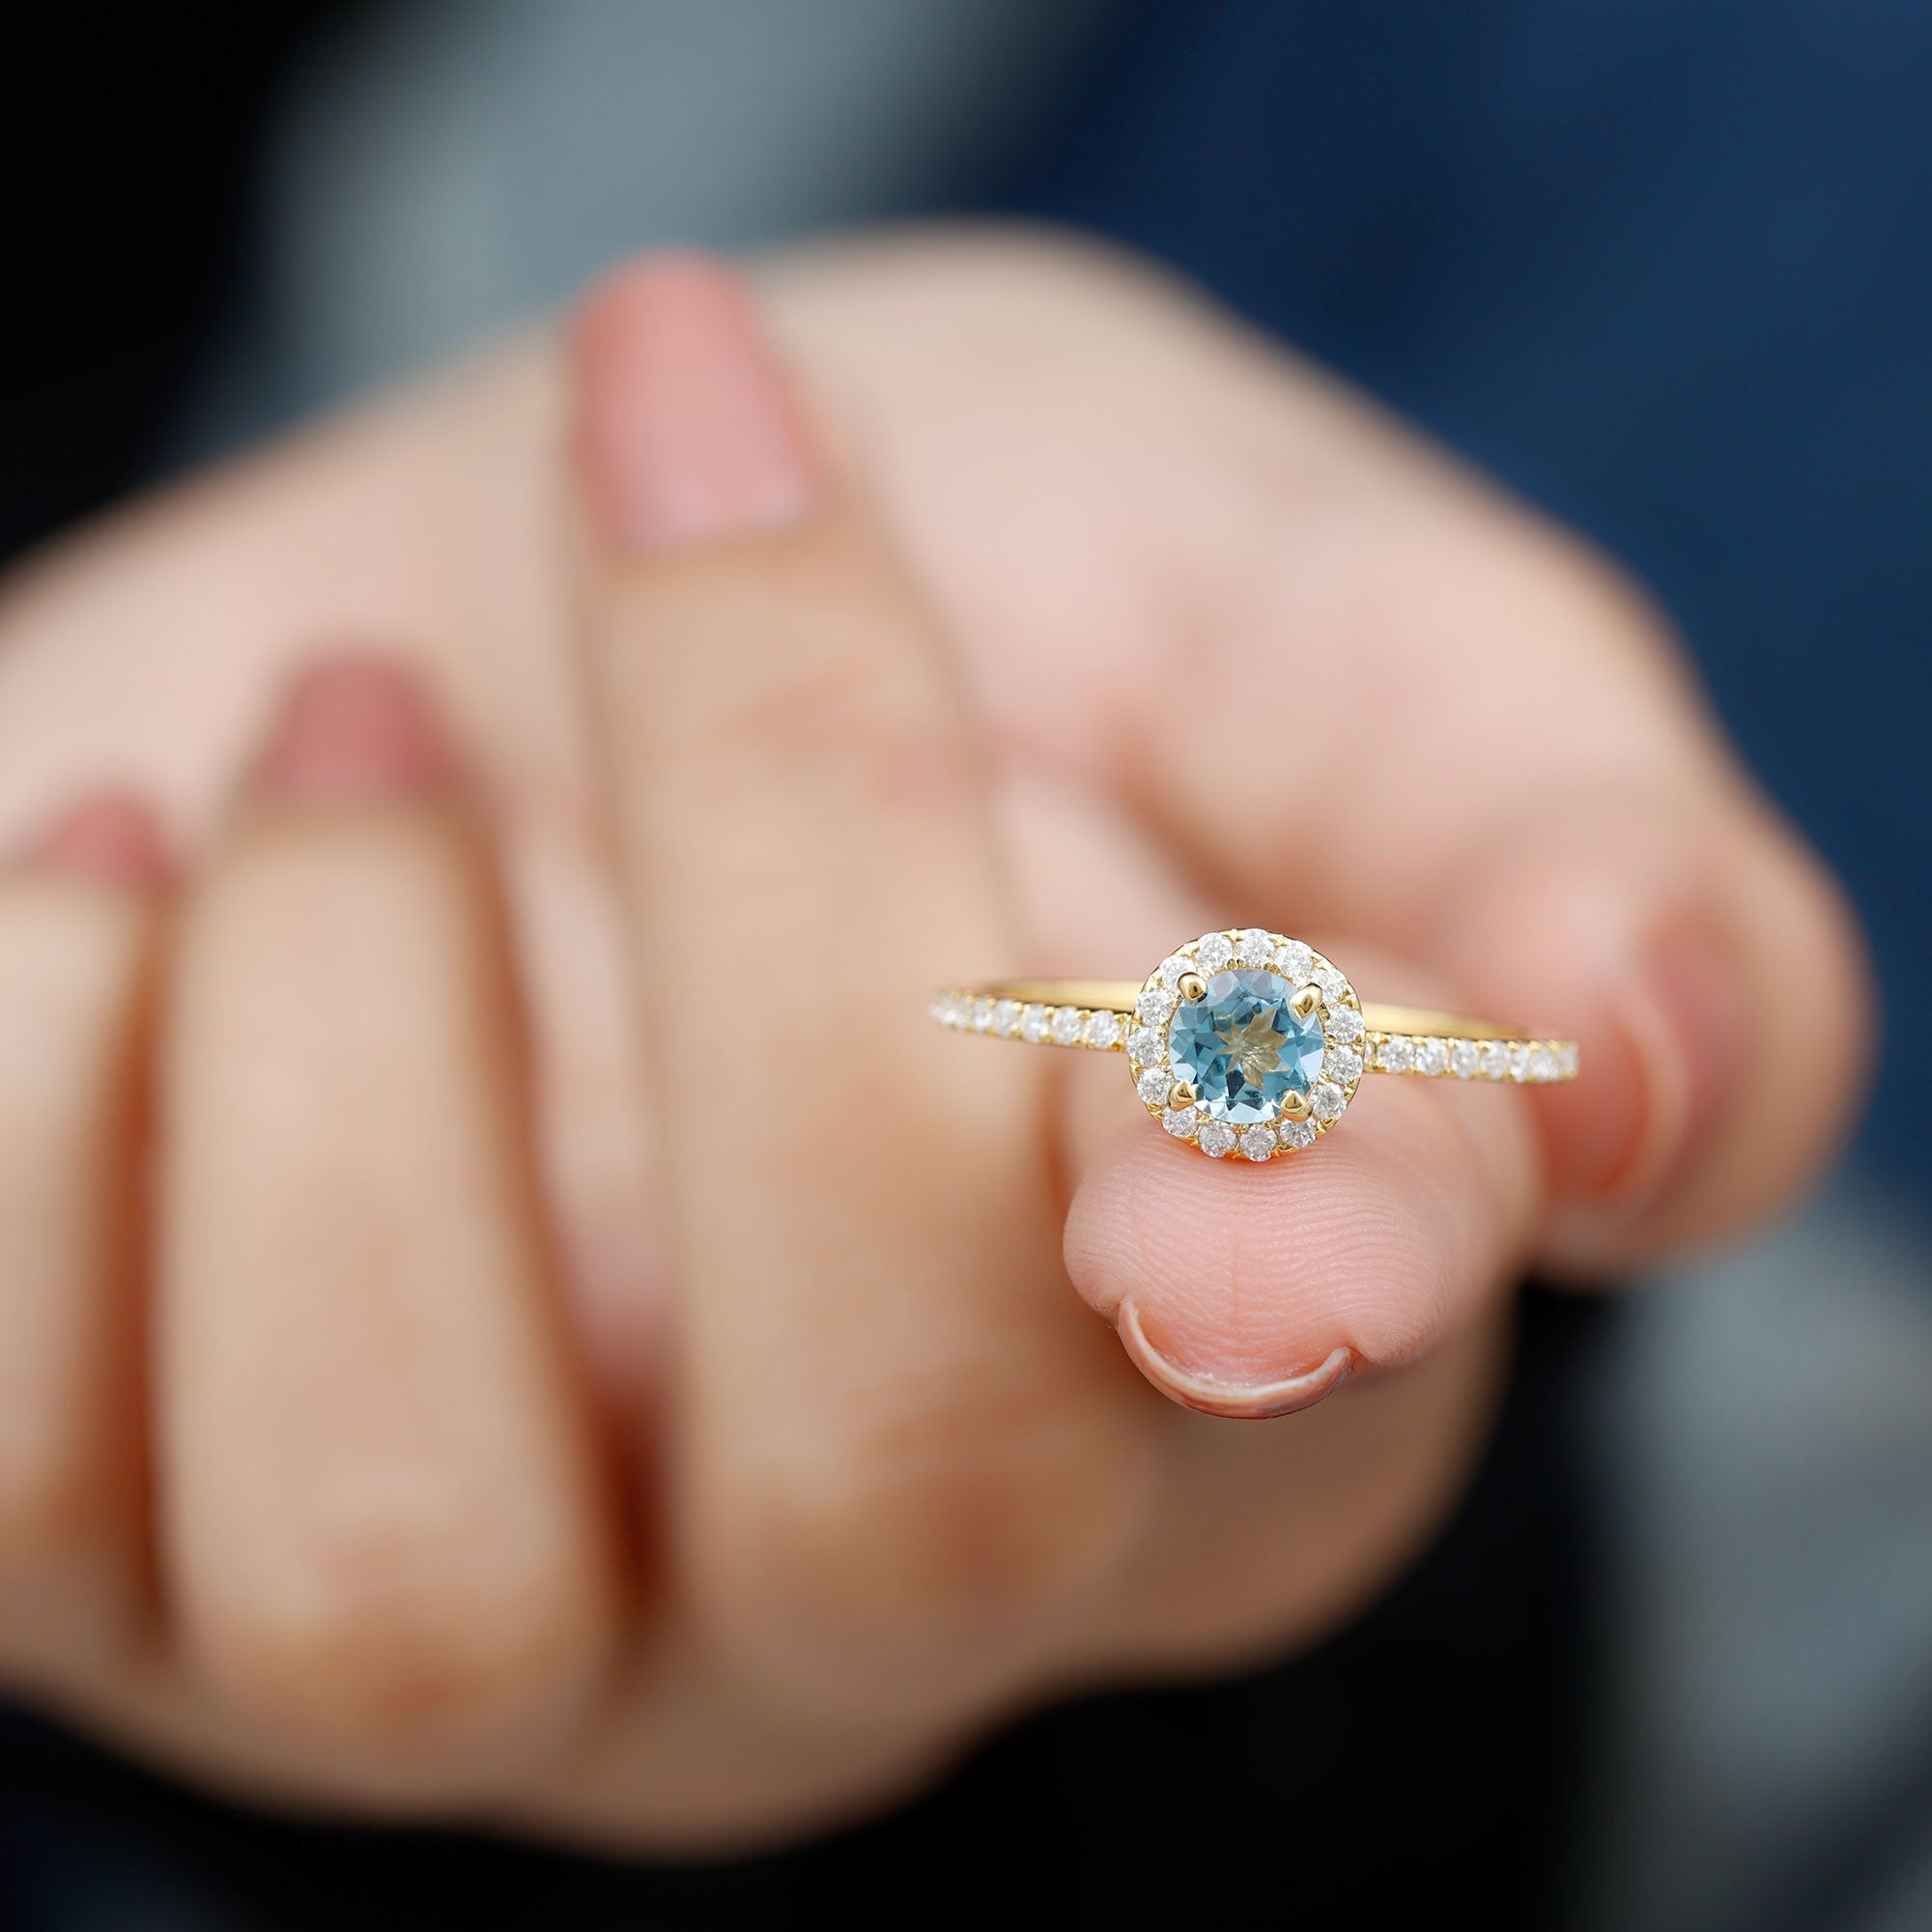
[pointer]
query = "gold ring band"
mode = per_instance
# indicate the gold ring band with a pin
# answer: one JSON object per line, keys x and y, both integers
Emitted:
{"x": 1248, "y": 1040}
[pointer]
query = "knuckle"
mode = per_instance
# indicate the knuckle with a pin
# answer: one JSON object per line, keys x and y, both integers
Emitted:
{"x": 853, "y": 727}
{"x": 966, "y": 1522}
{"x": 378, "y": 1632}
{"x": 54, "y": 1509}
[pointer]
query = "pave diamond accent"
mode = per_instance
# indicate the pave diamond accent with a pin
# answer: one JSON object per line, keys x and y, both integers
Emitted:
{"x": 1299, "y": 1133}
{"x": 1066, "y": 1027}
{"x": 1170, "y": 970}
{"x": 1495, "y": 1060}
{"x": 1331, "y": 982}
{"x": 1102, "y": 1031}
{"x": 1154, "y": 1086}
{"x": 1154, "y": 1007}
{"x": 1431, "y": 1057}
{"x": 1344, "y": 1024}
{"x": 1182, "y": 1123}
{"x": 1216, "y": 1138}
{"x": 1212, "y": 953}
{"x": 1258, "y": 1143}
{"x": 1397, "y": 1054}
{"x": 1033, "y": 1025}
{"x": 1147, "y": 1046}
{"x": 1341, "y": 1063}
{"x": 1291, "y": 960}
{"x": 1465, "y": 1055}
{"x": 1252, "y": 947}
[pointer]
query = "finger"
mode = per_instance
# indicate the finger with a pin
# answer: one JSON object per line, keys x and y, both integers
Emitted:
{"x": 77, "y": 935}
{"x": 898, "y": 1430}
{"x": 1498, "y": 766}
{"x": 1561, "y": 836}
{"x": 383, "y": 1518}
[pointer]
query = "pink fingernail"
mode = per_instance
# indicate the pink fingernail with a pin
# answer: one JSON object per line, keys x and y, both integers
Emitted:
{"x": 111, "y": 836}
{"x": 686, "y": 427}
{"x": 354, "y": 730}
{"x": 1244, "y": 1401}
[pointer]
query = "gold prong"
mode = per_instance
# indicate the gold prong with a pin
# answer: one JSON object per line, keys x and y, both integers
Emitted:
{"x": 1296, "y": 1107}
{"x": 1306, "y": 999}
{"x": 1192, "y": 986}
{"x": 1181, "y": 1095}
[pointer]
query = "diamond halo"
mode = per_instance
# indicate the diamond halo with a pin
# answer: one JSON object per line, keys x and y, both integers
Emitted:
{"x": 1266, "y": 1081}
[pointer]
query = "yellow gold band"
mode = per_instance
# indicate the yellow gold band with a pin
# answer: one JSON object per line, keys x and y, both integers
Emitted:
{"x": 1118, "y": 996}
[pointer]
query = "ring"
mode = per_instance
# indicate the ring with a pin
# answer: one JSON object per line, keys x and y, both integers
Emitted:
{"x": 1251, "y": 1041}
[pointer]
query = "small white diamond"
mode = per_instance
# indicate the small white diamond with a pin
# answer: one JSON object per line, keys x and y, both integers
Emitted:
{"x": 1258, "y": 1143}
{"x": 1397, "y": 1055}
{"x": 1152, "y": 1086}
{"x": 1542, "y": 1064}
{"x": 1154, "y": 1007}
{"x": 1066, "y": 1026}
{"x": 1103, "y": 1030}
{"x": 1431, "y": 1057}
{"x": 1464, "y": 1059}
{"x": 1495, "y": 1060}
{"x": 1006, "y": 1018}
{"x": 1297, "y": 1133}
{"x": 1213, "y": 953}
{"x": 983, "y": 1014}
{"x": 1519, "y": 1051}
{"x": 1291, "y": 960}
{"x": 1327, "y": 1100}
{"x": 1342, "y": 1064}
{"x": 1344, "y": 1023}
{"x": 1147, "y": 1046}
{"x": 1331, "y": 982}
{"x": 1216, "y": 1138}
{"x": 1253, "y": 946}
{"x": 1172, "y": 967}
{"x": 1567, "y": 1060}
{"x": 1181, "y": 1123}
{"x": 1032, "y": 1024}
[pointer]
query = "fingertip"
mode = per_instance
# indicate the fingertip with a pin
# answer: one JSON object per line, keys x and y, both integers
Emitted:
{"x": 687, "y": 429}
{"x": 355, "y": 727}
{"x": 1256, "y": 1290}
{"x": 111, "y": 836}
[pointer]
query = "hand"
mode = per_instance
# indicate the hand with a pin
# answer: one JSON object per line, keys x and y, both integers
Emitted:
{"x": 446, "y": 1515}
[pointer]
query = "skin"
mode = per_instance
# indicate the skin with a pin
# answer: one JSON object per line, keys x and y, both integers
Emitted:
{"x": 433, "y": 1386}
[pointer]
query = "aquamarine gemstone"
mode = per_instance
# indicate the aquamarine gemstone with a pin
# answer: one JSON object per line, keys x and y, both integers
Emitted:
{"x": 1242, "y": 1048}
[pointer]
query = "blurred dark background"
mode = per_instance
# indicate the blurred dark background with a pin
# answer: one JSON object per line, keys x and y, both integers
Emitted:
{"x": 1663, "y": 265}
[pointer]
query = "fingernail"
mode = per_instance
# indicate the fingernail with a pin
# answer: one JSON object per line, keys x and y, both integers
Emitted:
{"x": 355, "y": 731}
{"x": 111, "y": 836}
{"x": 1244, "y": 1401}
{"x": 686, "y": 422}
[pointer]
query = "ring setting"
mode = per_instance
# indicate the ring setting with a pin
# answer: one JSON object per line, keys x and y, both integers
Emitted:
{"x": 1250, "y": 1042}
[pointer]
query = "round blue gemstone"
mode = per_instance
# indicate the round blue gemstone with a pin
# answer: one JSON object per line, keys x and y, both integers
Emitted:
{"x": 1242, "y": 1048}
